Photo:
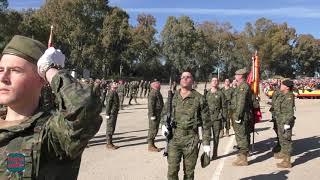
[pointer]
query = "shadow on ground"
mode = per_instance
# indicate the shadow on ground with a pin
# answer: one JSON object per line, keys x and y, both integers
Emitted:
{"x": 281, "y": 175}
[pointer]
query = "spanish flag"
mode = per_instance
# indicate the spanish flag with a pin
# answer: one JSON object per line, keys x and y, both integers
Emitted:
{"x": 253, "y": 80}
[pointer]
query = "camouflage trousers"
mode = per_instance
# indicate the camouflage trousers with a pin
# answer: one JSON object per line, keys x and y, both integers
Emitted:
{"x": 145, "y": 92}
{"x": 121, "y": 99}
{"x": 242, "y": 134}
{"x": 141, "y": 91}
{"x": 277, "y": 147}
{"x": 226, "y": 122}
{"x": 184, "y": 144}
{"x": 153, "y": 129}
{"x": 216, "y": 127}
{"x": 284, "y": 139}
{"x": 134, "y": 97}
{"x": 111, "y": 124}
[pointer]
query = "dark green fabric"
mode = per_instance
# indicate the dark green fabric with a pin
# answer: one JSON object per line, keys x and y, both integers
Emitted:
{"x": 66, "y": 131}
{"x": 26, "y": 48}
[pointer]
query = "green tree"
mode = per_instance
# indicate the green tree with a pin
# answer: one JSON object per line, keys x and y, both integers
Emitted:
{"x": 307, "y": 54}
{"x": 181, "y": 43}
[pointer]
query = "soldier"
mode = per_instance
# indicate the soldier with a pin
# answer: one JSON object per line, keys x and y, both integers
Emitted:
{"x": 228, "y": 93}
{"x": 242, "y": 103}
{"x": 155, "y": 105}
{"x": 121, "y": 93}
{"x": 51, "y": 142}
{"x": 146, "y": 85}
{"x": 112, "y": 109}
{"x": 284, "y": 117}
{"x": 189, "y": 112}
{"x": 276, "y": 149}
{"x": 217, "y": 109}
{"x": 141, "y": 86}
{"x": 133, "y": 91}
{"x": 126, "y": 85}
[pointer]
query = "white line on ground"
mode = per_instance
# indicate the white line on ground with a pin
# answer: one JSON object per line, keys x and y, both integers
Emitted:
{"x": 217, "y": 172}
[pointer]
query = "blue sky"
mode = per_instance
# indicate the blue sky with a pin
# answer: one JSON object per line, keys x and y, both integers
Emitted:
{"x": 303, "y": 15}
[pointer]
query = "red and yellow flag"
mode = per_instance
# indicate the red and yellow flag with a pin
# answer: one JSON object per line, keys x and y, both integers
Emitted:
{"x": 253, "y": 80}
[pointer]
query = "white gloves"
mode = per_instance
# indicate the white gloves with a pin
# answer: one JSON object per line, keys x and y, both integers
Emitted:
{"x": 50, "y": 56}
{"x": 286, "y": 127}
{"x": 206, "y": 149}
{"x": 107, "y": 117}
{"x": 164, "y": 130}
{"x": 237, "y": 121}
{"x": 153, "y": 118}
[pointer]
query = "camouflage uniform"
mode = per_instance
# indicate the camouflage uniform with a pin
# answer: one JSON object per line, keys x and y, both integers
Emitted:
{"x": 146, "y": 86}
{"x": 53, "y": 142}
{"x": 188, "y": 113}
{"x": 112, "y": 109}
{"x": 155, "y": 106}
{"x": 242, "y": 104}
{"x": 217, "y": 109}
{"x": 127, "y": 89}
{"x": 141, "y": 86}
{"x": 275, "y": 95}
{"x": 133, "y": 92}
{"x": 228, "y": 93}
{"x": 284, "y": 114}
{"x": 121, "y": 92}
{"x": 47, "y": 99}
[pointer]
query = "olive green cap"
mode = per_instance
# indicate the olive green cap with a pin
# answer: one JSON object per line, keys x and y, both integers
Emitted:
{"x": 205, "y": 160}
{"x": 241, "y": 71}
{"x": 26, "y": 48}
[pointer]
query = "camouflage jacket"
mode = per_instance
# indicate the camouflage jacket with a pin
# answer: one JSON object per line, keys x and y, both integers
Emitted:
{"x": 228, "y": 93}
{"x": 274, "y": 97}
{"x": 155, "y": 103}
{"x": 284, "y": 108}
{"x": 121, "y": 89}
{"x": 53, "y": 142}
{"x": 190, "y": 113}
{"x": 112, "y": 103}
{"x": 241, "y": 102}
{"x": 217, "y": 105}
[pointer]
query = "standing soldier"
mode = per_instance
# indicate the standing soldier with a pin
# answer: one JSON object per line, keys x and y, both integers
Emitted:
{"x": 112, "y": 109}
{"x": 284, "y": 117}
{"x": 121, "y": 92}
{"x": 141, "y": 86}
{"x": 146, "y": 85}
{"x": 242, "y": 103}
{"x": 189, "y": 112}
{"x": 276, "y": 149}
{"x": 127, "y": 87}
{"x": 149, "y": 87}
{"x": 50, "y": 142}
{"x": 155, "y": 105}
{"x": 228, "y": 93}
{"x": 134, "y": 86}
{"x": 217, "y": 109}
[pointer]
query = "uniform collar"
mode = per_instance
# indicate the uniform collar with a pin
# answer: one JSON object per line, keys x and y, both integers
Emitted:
{"x": 25, "y": 124}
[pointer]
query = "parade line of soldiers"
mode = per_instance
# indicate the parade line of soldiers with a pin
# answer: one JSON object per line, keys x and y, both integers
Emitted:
{"x": 50, "y": 121}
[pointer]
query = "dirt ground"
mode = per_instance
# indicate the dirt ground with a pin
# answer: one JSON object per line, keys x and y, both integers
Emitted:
{"x": 132, "y": 161}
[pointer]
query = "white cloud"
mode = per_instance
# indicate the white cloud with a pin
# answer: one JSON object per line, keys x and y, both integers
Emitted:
{"x": 296, "y": 12}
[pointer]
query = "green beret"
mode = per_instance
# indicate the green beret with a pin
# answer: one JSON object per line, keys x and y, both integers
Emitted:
{"x": 241, "y": 71}
{"x": 26, "y": 48}
{"x": 288, "y": 83}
